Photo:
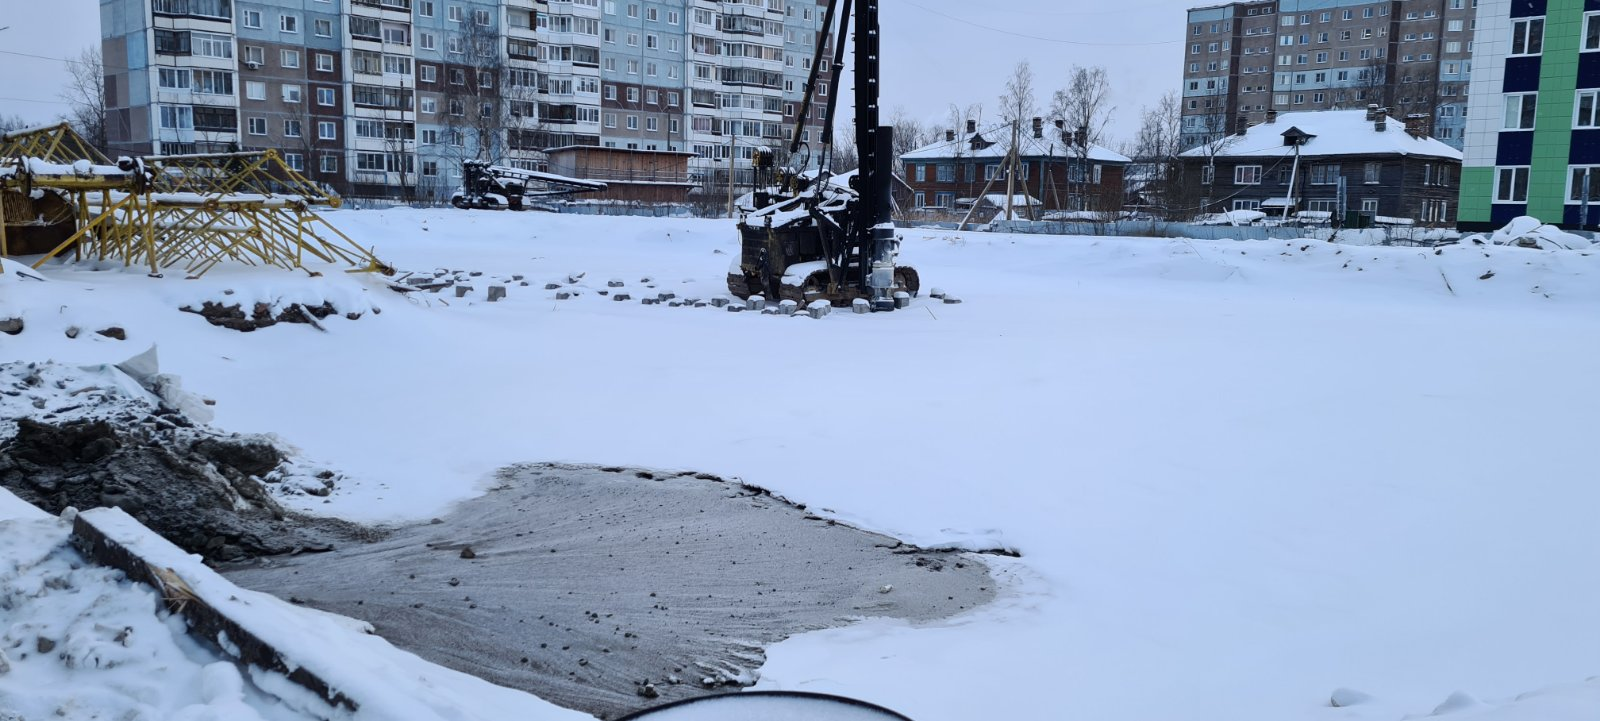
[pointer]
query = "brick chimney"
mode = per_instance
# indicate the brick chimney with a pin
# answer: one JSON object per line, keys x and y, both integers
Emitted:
{"x": 1381, "y": 124}
{"x": 1083, "y": 136}
{"x": 1272, "y": 116}
{"x": 1372, "y": 112}
{"x": 949, "y": 136}
{"x": 1241, "y": 125}
{"x": 972, "y": 126}
{"x": 1417, "y": 125}
{"x": 1038, "y": 127}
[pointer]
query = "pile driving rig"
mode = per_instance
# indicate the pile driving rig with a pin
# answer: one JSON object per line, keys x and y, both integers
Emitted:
{"x": 499, "y": 187}
{"x": 815, "y": 235}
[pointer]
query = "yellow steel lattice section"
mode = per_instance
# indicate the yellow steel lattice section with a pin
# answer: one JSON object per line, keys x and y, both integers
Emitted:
{"x": 53, "y": 144}
{"x": 188, "y": 211}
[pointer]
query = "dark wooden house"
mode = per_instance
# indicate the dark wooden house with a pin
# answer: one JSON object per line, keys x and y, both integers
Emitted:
{"x": 1345, "y": 167}
{"x": 1057, "y": 168}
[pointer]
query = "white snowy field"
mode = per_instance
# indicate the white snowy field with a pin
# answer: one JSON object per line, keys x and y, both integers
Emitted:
{"x": 1242, "y": 474}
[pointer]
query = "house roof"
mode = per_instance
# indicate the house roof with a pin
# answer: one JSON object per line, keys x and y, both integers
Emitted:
{"x": 1333, "y": 132}
{"x": 1049, "y": 146}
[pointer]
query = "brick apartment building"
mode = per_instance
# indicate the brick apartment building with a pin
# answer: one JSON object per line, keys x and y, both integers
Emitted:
{"x": 1244, "y": 58}
{"x": 371, "y": 96}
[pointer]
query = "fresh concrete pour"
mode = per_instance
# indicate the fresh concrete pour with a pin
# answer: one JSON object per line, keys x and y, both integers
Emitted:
{"x": 608, "y": 590}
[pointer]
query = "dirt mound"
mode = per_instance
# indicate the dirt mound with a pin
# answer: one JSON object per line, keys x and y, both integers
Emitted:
{"x": 261, "y": 314}
{"x": 201, "y": 493}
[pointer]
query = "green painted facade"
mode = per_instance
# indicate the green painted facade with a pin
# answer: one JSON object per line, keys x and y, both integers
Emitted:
{"x": 1552, "y": 134}
{"x": 1477, "y": 190}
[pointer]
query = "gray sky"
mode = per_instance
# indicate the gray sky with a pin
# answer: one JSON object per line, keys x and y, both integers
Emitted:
{"x": 935, "y": 52}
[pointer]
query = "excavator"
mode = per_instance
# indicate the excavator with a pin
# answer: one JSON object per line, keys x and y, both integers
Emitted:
{"x": 488, "y": 186}
{"x": 808, "y": 235}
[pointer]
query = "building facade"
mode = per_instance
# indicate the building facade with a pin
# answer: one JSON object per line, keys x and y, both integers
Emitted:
{"x": 1245, "y": 58}
{"x": 1054, "y": 169}
{"x": 1533, "y": 141}
{"x": 388, "y": 97}
{"x": 1330, "y": 166}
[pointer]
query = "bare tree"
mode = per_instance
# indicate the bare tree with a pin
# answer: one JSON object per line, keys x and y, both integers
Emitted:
{"x": 845, "y": 156}
{"x": 1372, "y": 80}
{"x": 1155, "y": 150}
{"x": 9, "y": 123}
{"x": 909, "y": 134}
{"x": 1017, "y": 103}
{"x": 1085, "y": 107}
{"x": 85, "y": 94}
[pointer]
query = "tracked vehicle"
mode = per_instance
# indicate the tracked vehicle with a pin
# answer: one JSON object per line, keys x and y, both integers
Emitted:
{"x": 810, "y": 235}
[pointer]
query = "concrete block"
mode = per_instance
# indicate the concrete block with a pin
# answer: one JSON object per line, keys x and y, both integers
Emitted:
{"x": 666, "y": 296}
{"x": 860, "y": 306}
{"x": 952, "y": 300}
{"x": 649, "y": 301}
{"x": 463, "y": 290}
{"x": 734, "y": 308}
{"x": 516, "y": 277}
{"x": 614, "y": 283}
{"x": 11, "y": 326}
{"x": 936, "y": 293}
{"x": 563, "y": 295}
{"x": 718, "y": 302}
{"x": 755, "y": 302}
{"x": 700, "y": 304}
{"x": 674, "y": 303}
{"x": 496, "y": 292}
{"x": 902, "y": 299}
{"x": 575, "y": 277}
{"x": 621, "y": 297}
{"x": 551, "y": 286}
{"x": 818, "y": 308}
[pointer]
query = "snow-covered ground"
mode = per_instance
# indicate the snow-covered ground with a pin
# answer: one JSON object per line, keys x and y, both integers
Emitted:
{"x": 1242, "y": 474}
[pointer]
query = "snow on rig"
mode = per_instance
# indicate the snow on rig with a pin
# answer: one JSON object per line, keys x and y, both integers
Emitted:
{"x": 488, "y": 186}
{"x": 811, "y": 235}
{"x": 60, "y": 195}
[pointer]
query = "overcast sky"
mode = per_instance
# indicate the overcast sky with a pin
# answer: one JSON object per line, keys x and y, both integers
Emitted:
{"x": 935, "y": 52}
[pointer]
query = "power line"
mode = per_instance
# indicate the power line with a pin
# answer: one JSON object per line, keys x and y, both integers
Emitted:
{"x": 1037, "y": 37}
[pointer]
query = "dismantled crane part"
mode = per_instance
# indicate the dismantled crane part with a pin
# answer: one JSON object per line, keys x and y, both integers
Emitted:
{"x": 499, "y": 187}
{"x": 812, "y": 235}
{"x": 61, "y": 194}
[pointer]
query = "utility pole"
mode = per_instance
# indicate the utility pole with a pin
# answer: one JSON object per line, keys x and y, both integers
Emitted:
{"x": 1293, "y": 171}
{"x": 1011, "y": 169}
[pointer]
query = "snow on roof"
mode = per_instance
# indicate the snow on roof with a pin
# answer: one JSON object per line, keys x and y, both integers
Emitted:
{"x": 998, "y": 200}
{"x": 1336, "y": 132}
{"x": 1049, "y": 146}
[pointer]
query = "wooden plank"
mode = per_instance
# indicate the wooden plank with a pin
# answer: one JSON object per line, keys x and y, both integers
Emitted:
{"x": 111, "y": 538}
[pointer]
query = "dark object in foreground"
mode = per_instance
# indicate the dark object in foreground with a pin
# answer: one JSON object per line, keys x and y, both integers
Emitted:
{"x": 767, "y": 704}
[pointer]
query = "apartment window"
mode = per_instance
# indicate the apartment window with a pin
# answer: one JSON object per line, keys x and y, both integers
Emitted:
{"x": 611, "y": 120}
{"x": 1527, "y": 36}
{"x": 1591, "y": 31}
{"x": 652, "y": 41}
{"x": 633, "y": 95}
{"x": 289, "y": 58}
{"x": 291, "y": 93}
{"x": 1322, "y": 57}
{"x": 1366, "y": 12}
{"x": 323, "y": 28}
{"x": 480, "y": 17}
{"x": 327, "y": 130}
{"x": 1519, "y": 111}
{"x": 1208, "y": 174}
{"x": 291, "y": 128}
{"x": 255, "y": 90}
{"x": 326, "y": 96}
{"x": 651, "y": 124}
{"x": 458, "y": 76}
{"x": 455, "y": 13}
{"x": 429, "y": 105}
{"x": 1347, "y": 15}
{"x": 1588, "y": 102}
{"x": 1325, "y": 174}
{"x": 324, "y": 63}
{"x": 295, "y": 161}
{"x": 1299, "y": 98}
{"x": 1511, "y": 185}
{"x": 251, "y": 19}
{"x": 289, "y": 23}
{"x": 1247, "y": 175}
{"x": 256, "y": 126}
{"x": 173, "y": 78}
{"x": 427, "y": 73}
{"x": 1371, "y": 173}
{"x": 425, "y": 8}
{"x": 330, "y": 163}
{"x": 672, "y": 98}
{"x": 1580, "y": 175}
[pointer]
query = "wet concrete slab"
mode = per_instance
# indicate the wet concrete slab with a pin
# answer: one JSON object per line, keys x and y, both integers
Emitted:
{"x": 609, "y": 589}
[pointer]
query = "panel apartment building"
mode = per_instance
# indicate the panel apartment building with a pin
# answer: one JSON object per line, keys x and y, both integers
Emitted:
{"x": 1533, "y": 144}
{"x": 1244, "y": 58}
{"x": 374, "y": 96}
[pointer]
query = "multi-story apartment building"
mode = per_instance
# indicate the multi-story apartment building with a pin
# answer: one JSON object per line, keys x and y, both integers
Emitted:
{"x": 1244, "y": 58}
{"x": 375, "y": 96}
{"x": 1533, "y": 140}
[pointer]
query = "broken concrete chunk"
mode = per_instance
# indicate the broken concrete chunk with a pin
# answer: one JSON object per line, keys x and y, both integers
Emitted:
{"x": 552, "y": 286}
{"x": 718, "y": 302}
{"x": 563, "y": 295}
{"x": 463, "y": 290}
{"x": 614, "y": 283}
{"x": 496, "y": 292}
{"x": 10, "y": 326}
{"x": 112, "y": 332}
{"x": 621, "y": 296}
{"x": 951, "y": 299}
